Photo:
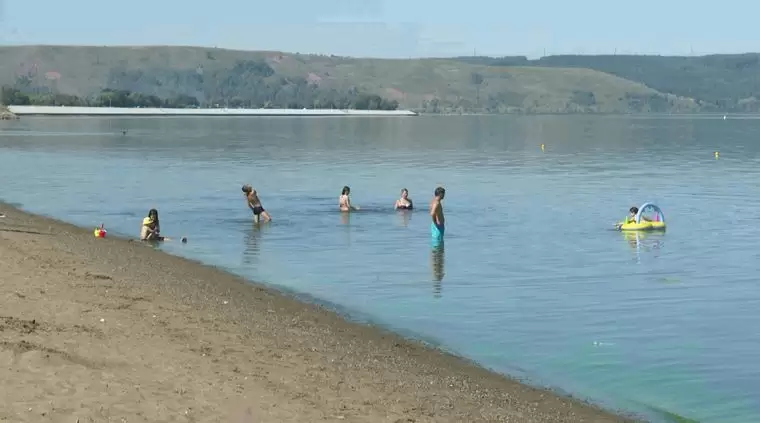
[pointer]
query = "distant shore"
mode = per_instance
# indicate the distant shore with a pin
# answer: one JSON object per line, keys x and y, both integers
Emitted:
{"x": 124, "y": 111}
{"x": 111, "y": 329}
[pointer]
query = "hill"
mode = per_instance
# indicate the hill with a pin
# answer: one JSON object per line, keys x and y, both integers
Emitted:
{"x": 191, "y": 76}
{"x": 720, "y": 83}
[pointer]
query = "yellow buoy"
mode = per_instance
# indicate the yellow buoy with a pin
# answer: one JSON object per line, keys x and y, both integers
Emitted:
{"x": 542, "y": 147}
{"x": 716, "y": 154}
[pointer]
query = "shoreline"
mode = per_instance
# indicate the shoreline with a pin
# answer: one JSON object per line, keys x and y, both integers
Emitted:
{"x": 137, "y": 111}
{"x": 97, "y": 329}
{"x": 15, "y": 112}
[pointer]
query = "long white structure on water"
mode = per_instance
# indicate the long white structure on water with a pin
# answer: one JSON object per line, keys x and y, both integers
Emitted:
{"x": 125, "y": 111}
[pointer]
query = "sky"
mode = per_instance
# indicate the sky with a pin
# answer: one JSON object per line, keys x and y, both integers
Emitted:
{"x": 393, "y": 28}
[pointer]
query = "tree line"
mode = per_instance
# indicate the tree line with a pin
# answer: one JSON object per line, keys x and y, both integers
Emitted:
{"x": 130, "y": 99}
{"x": 247, "y": 84}
{"x": 721, "y": 82}
{"x": 107, "y": 98}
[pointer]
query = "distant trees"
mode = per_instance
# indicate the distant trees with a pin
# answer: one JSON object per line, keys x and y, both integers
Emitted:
{"x": 124, "y": 98}
{"x": 107, "y": 98}
{"x": 194, "y": 77}
{"x": 129, "y": 99}
{"x": 13, "y": 96}
{"x": 246, "y": 84}
{"x": 725, "y": 82}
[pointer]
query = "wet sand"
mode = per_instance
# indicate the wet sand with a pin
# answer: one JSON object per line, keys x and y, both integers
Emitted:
{"x": 96, "y": 330}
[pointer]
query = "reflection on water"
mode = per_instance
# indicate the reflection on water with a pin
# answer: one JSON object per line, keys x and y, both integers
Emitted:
{"x": 345, "y": 218}
{"x": 530, "y": 260}
{"x": 345, "y": 221}
{"x": 437, "y": 258}
{"x": 252, "y": 249}
{"x": 644, "y": 242}
{"x": 405, "y": 216}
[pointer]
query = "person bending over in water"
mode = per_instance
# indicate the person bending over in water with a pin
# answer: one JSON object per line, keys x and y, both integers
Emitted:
{"x": 252, "y": 199}
{"x": 437, "y": 226}
{"x": 151, "y": 228}
{"x": 344, "y": 201}
{"x": 404, "y": 203}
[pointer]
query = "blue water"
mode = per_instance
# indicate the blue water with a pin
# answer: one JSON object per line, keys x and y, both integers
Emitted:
{"x": 531, "y": 280}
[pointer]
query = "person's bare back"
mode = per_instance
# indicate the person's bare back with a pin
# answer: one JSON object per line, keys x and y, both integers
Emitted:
{"x": 344, "y": 201}
{"x": 253, "y": 199}
{"x": 254, "y": 203}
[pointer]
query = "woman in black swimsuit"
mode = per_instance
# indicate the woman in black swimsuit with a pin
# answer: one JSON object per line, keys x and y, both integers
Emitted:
{"x": 404, "y": 203}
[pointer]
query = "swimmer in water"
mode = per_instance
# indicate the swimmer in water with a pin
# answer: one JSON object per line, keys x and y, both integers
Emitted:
{"x": 252, "y": 199}
{"x": 344, "y": 201}
{"x": 151, "y": 228}
{"x": 404, "y": 203}
{"x": 437, "y": 226}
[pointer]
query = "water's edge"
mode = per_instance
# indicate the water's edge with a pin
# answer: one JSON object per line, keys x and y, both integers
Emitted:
{"x": 367, "y": 321}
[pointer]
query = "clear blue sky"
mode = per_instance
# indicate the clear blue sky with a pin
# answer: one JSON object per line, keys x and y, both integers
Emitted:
{"x": 393, "y": 28}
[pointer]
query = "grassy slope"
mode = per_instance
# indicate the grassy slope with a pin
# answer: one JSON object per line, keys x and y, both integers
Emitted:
{"x": 721, "y": 82}
{"x": 85, "y": 71}
{"x": 712, "y": 79}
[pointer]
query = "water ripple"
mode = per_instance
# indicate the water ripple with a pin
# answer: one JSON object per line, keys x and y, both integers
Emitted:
{"x": 531, "y": 280}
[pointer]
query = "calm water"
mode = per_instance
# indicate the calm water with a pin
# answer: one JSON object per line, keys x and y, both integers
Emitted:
{"x": 531, "y": 280}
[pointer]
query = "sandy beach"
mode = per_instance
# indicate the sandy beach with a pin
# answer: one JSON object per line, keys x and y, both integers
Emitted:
{"x": 111, "y": 330}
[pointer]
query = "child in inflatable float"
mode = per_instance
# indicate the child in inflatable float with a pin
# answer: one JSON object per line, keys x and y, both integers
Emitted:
{"x": 637, "y": 221}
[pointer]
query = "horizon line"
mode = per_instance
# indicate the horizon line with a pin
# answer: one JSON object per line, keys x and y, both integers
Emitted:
{"x": 493, "y": 56}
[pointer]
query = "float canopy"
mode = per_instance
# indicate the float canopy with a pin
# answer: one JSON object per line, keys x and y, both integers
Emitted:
{"x": 651, "y": 212}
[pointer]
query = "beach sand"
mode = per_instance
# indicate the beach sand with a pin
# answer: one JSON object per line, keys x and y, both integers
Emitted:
{"x": 111, "y": 330}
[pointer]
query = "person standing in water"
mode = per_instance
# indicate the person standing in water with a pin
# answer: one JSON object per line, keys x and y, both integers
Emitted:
{"x": 404, "y": 203}
{"x": 252, "y": 199}
{"x": 437, "y": 226}
{"x": 344, "y": 201}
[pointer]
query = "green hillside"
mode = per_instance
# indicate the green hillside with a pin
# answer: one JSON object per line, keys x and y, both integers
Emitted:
{"x": 723, "y": 82}
{"x": 208, "y": 76}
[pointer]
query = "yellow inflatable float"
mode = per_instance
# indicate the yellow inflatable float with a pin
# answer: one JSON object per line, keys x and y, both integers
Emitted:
{"x": 649, "y": 218}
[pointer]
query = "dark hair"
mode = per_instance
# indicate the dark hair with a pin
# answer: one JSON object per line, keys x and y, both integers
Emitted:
{"x": 440, "y": 191}
{"x": 345, "y": 191}
{"x": 153, "y": 212}
{"x": 405, "y": 190}
{"x": 634, "y": 210}
{"x": 247, "y": 188}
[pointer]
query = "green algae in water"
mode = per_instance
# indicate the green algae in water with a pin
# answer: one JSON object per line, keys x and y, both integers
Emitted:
{"x": 669, "y": 416}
